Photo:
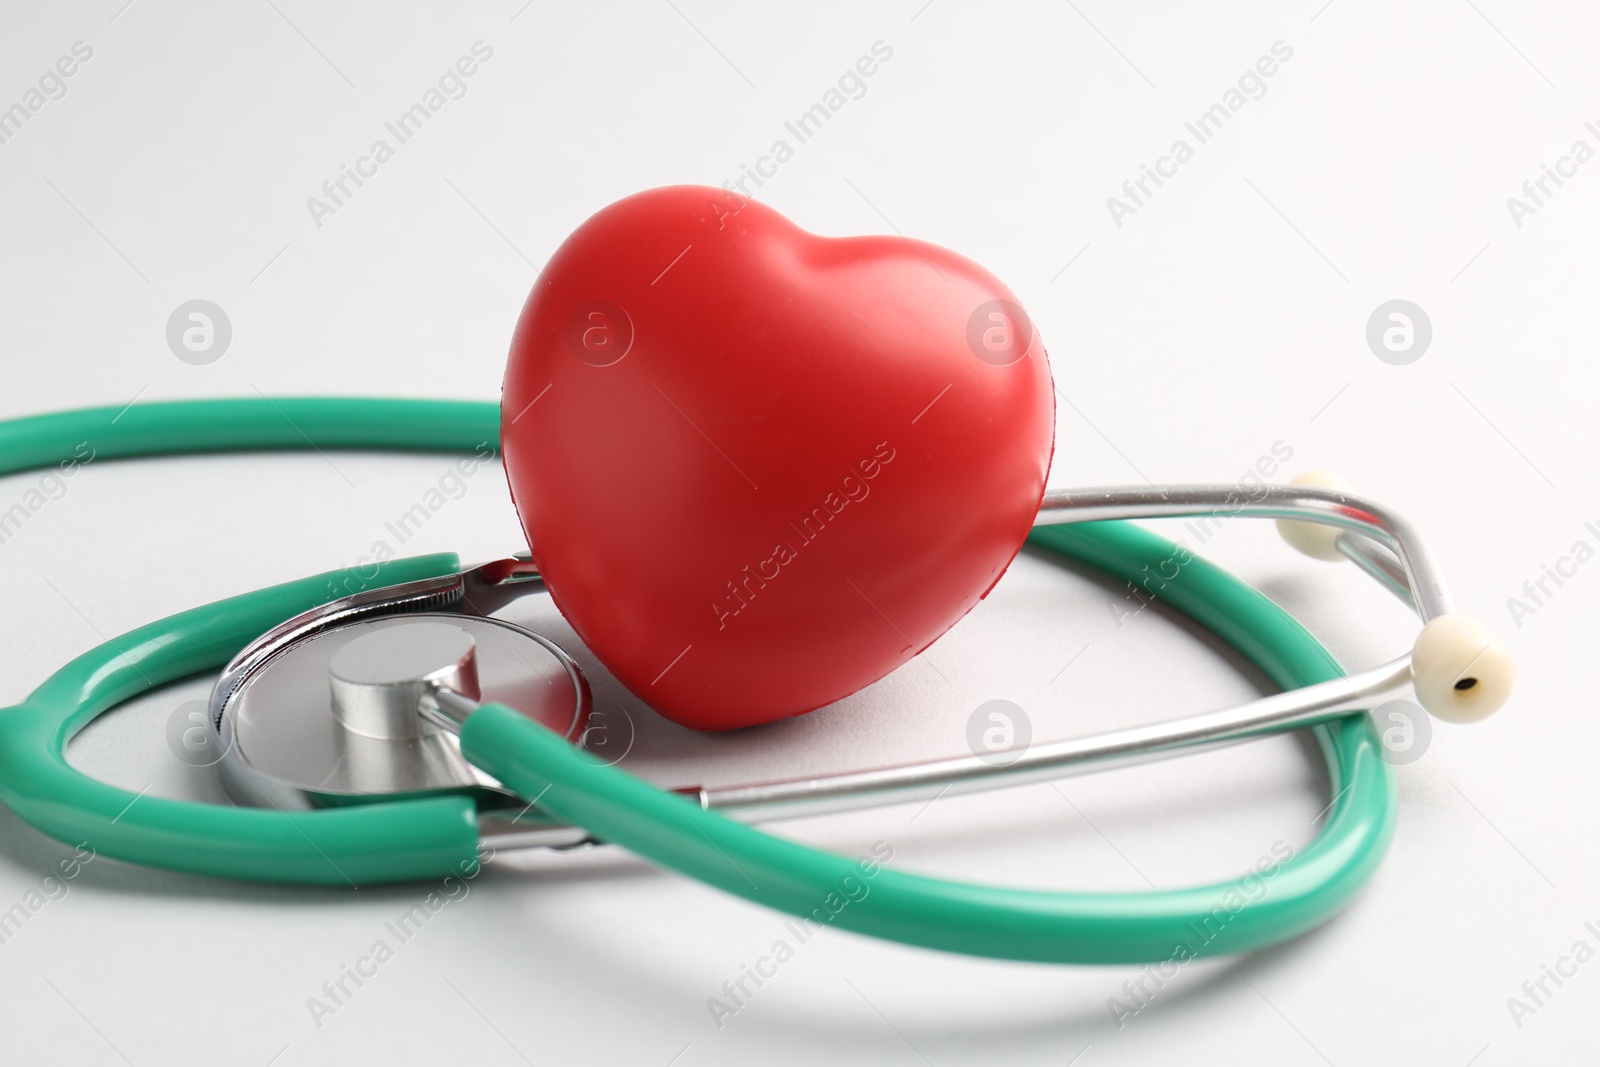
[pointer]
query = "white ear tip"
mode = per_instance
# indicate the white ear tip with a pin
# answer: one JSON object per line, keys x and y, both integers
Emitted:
{"x": 1461, "y": 671}
{"x": 1315, "y": 539}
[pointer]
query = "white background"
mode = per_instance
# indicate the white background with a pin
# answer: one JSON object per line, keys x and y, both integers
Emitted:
{"x": 1226, "y": 315}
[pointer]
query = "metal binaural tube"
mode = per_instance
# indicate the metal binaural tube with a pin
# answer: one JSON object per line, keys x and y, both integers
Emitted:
{"x": 908, "y": 783}
{"x": 1291, "y": 710}
{"x": 1378, "y": 562}
{"x": 1423, "y": 575}
{"x": 1381, "y": 543}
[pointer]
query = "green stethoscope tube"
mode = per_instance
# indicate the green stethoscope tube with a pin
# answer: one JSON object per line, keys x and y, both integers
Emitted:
{"x": 232, "y": 425}
{"x": 407, "y": 839}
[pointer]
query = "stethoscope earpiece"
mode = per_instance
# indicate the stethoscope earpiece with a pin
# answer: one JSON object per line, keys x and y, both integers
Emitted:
{"x": 1315, "y": 539}
{"x": 1460, "y": 670}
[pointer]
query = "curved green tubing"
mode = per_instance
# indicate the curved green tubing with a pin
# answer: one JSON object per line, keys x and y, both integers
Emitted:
{"x": 408, "y": 839}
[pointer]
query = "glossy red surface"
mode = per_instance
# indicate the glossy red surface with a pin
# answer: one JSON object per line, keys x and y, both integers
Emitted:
{"x": 759, "y": 468}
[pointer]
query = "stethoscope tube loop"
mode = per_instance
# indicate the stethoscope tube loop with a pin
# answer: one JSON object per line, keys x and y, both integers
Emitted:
{"x": 409, "y": 837}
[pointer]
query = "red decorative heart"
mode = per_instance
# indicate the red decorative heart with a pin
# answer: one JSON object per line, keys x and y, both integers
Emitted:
{"x": 758, "y": 468}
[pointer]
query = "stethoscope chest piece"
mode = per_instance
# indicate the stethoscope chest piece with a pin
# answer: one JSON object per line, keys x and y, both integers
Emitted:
{"x": 330, "y": 716}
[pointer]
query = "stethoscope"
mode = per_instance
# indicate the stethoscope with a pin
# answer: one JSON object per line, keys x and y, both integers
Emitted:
{"x": 380, "y": 724}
